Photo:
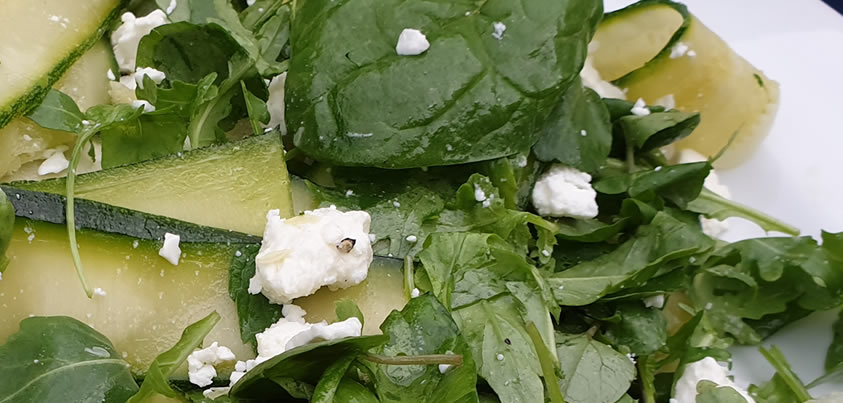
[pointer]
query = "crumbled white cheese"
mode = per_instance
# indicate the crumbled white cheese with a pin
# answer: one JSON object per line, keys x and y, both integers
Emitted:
{"x": 499, "y": 29}
{"x": 110, "y": 75}
{"x": 293, "y": 331}
{"x": 640, "y": 108}
{"x": 411, "y": 42}
{"x": 129, "y": 82}
{"x": 667, "y": 101}
{"x": 100, "y": 292}
{"x": 706, "y": 369}
{"x": 250, "y": 2}
{"x": 156, "y": 75}
{"x": 147, "y": 107}
{"x": 499, "y": 357}
{"x": 171, "y": 250}
{"x": 55, "y": 163}
{"x": 412, "y": 238}
{"x": 323, "y": 247}
{"x": 200, "y": 363}
{"x": 654, "y": 301}
{"x": 415, "y": 293}
{"x": 275, "y": 103}
{"x": 127, "y": 36}
{"x": 443, "y": 368}
{"x": 563, "y": 191}
{"x": 591, "y": 79}
{"x": 710, "y": 226}
{"x": 171, "y": 7}
{"x": 678, "y": 50}
{"x": 479, "y": 194}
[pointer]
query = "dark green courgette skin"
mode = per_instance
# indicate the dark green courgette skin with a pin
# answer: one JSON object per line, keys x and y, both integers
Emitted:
{"x": 7, "y": 224}
{"x": 92, "y": 215}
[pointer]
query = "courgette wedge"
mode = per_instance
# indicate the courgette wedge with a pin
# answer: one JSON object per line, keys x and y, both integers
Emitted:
{"x": 148, "y": 301}
{"x": 41, "y": 39}
{"x": 230, "y": 186}
{"x": 655, "y": 49}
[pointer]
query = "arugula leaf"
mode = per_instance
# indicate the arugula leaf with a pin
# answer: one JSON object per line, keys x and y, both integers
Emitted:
{"x": 256, "y": 107}
{"x": 632, "y": 264}
{"x": 346, "y": 308}
{"x": 158, "y": 375}
{"x": 773, "y": 391}
{"x": 593, "y": 372}
{"x": 254, "y": 312}
{"x": 358, "y": 103}
{"x": 658, "y": 129}
{"x": 578, "y": 132}
{"x": 642, "y": 330}
{"x": 760, "y": 278}
{"x": 60, "y": 359}
{"x": 709, "y": 392}
{"x": 785, "y": 373}
{"x": 424, "y": 326}
{"x": 713, "y": 206}
{"x": 678, "y": 183}
{"x": 305, "y": 364}
{"x": 589, "y": 230}
{"x": 514, "y": 177}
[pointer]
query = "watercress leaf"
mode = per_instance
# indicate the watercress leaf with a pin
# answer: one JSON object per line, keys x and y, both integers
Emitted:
{"x": 150, "y": 136}
{"x": 632, "y": 264}
{"x": 658, "y": 129}
{"x": 326, "y": 389}
{"x": 642, "y": 330}
{"x": 710, "y": 392}
{"x": 60, "y": 359}
{"x": 578, "y": 132}
{"x": 349, "y": 391}
{"x": 346, "y": 308}
{"x": 57, "y": 111}
{"x": 502, "y": 349}
{"x": 256, "y": 108}
{"x": 358, "y": 103}
{"x": 424, "y": 326}
{"x": 678, "y": 183}
{"x": 593, "y": 372}
{"x": 158, "y": 375}
{"x": 306, "y": 364}
{"x": 713, "y": 206}
{"x": 254, "y": 312}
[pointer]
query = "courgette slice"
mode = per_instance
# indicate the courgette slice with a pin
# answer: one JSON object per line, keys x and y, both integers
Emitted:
{"x": 23, "y": 141}
{"x": 656, "y": 48}
{"x": 230, "y": 186}
{"x": 148, "y": 301}
{"x": 41, "y": 39}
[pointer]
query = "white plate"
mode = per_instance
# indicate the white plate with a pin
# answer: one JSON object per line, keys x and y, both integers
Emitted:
{"x": 797, "y": 174}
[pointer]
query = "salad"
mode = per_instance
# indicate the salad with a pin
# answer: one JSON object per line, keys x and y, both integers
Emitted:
{"x": 387, "y": 201}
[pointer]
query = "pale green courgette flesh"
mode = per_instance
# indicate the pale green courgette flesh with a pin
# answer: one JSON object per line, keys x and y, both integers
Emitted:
{"x": 41, "y": 39}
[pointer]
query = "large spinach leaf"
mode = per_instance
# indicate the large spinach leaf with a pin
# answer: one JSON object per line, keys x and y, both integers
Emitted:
{"x": 254, "y": 312}
{"x": 157, "y": 379}
{"x": 469, "y": 97}
{"x": 593, "y": 372}
{"x": 424, "y": 326}
{"x": 578, "y": 132}
{"x": 60, "y": 359}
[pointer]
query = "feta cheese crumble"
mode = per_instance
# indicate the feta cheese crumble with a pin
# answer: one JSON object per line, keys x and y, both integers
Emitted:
{"x": 499, "y": 29}
{"x": 678, "y": 50}
{"x": 200, "y": 363}
{"x": 479, "y": 194}
{"x": 156, "y": 75}
{"x": 293, "y": 331}
{"x": 411, "y": 42}
{"x": 127, "y": 36}
{"x": 415, "y": 293}
{"x": 147, "y": 107}
{"x": 275, "y": 103}
{"x": 171, "y": 7}
{"x": 706, "y": 369}
{"x": 654, "y": 301}
{"x": 591, "y": 78}
{"x": 563, "y": 191}
{"x": 100, "y": 292}
{"x": 443, "y": 368}
{"x": 667, "y": 101}
{"x": 323, "y": 247}
{"x": 171, "y": 250}
{"x": 640, "y": 108}
{"x": 710, "y": 226}
{"x": 55, "y": 163}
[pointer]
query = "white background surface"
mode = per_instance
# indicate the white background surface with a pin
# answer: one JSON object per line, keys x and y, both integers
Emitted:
{"x": 797, "y": 174}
